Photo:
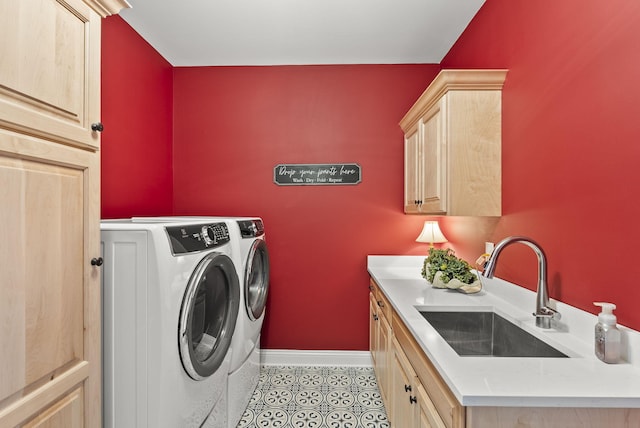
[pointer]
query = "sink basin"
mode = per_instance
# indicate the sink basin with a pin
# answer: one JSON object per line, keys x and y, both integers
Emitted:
{"x": 487, "y": 334}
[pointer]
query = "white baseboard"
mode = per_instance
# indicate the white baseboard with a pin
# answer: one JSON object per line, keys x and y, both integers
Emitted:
{"x": 294, "y": 357}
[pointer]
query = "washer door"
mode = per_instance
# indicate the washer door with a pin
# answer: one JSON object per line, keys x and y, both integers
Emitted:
{"x": 256, "y": 279}
{"x": 208, "y": 315}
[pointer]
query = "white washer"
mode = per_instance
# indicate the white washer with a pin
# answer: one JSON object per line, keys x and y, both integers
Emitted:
{"x": 252, "y": 261}
{"x": 171, "y": 299}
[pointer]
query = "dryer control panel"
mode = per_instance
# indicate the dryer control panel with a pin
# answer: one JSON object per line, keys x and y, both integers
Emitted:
{"x": 197, "y": 237}
{"x": 251, "y": 228}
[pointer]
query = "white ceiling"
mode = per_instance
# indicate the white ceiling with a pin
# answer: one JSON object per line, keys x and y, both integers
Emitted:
{"x": 279, "y": 32}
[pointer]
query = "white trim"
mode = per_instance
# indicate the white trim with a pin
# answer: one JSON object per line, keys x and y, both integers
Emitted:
{"x": 294, "y": 357}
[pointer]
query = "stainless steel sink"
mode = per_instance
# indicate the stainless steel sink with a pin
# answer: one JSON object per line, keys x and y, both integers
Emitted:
{"x": 487, "y": 334}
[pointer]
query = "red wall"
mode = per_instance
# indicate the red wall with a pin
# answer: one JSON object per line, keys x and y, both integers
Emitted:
{"x": 234, "y": 124}
{"x": 570, "y": 141}
{"x": 136, "y": 145}
{"x": 569, "y": 159}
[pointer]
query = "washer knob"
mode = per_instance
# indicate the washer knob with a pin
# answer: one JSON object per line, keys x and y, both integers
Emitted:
{"x": 208, "y": 235}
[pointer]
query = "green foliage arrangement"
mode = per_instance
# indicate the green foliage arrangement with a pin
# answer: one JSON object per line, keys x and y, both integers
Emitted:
{"x": 451, "y": 267}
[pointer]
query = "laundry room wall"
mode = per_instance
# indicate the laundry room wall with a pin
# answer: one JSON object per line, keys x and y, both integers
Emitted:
{"x": 569, "y": 158}
{"x": 136, "y": 146}
{"x": 204, "y": 141}
{"x": 569, "y": 142}
{"x": 233, "y": 125}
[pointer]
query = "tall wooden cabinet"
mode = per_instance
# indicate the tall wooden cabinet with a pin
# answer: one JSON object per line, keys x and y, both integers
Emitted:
{"x": 50, "y": 342}
{"x": 452, "y": 145}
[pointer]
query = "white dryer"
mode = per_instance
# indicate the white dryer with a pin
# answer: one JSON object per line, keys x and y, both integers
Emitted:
{"x": 171, "y": 300}
{"x": 254, "y": 282}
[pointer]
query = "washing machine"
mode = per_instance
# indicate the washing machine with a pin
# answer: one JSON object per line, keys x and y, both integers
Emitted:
{"x": 171, "y": 299}
{"x": 249, "y": 250}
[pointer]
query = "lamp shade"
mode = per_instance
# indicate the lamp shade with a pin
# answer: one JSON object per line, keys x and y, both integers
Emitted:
{"x": 431, "y": 233}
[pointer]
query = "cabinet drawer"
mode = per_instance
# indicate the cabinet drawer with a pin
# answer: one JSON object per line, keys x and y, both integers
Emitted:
{"x": 448, "y": 407}
{"x": 381, "y": 301}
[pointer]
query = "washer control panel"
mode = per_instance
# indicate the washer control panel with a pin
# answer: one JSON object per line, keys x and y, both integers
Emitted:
{"x": 197, "y": 237}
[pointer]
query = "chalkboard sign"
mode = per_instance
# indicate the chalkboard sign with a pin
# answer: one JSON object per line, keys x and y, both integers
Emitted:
{"x": 317, "y": 174}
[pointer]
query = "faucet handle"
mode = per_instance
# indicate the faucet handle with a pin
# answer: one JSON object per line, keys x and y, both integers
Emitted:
{"x": 547, "y": 312}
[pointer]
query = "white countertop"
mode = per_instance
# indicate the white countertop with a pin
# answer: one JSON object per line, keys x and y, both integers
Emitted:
{"x": 579, "y": 381}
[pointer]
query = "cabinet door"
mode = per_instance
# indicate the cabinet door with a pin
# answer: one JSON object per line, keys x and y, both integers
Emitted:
{"x": 374, "y": 329}
{"x": 50, "y": 305}
{"x": 384, "y": 359}
{"x": 403, "y": 395}
{"x": 428, "y": 415}
{"x": 50, "y": 70}
{"x": 433, "y": 160}
{"x": 412, "y": 195}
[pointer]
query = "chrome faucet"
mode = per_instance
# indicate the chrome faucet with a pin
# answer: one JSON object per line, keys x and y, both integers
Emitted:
{"x": 543, "y": 313}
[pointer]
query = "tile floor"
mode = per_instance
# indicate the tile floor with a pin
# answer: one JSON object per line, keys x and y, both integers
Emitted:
{"x": 315, "y": 397}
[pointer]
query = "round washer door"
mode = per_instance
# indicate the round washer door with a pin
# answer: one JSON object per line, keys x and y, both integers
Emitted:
{"x": 208, "y": 315}
{"x": 256, "y": 279}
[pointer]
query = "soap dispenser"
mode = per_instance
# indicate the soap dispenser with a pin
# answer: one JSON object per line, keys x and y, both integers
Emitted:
{"x": 607, "y": 334}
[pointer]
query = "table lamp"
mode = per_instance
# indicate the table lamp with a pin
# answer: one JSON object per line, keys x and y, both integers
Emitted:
{"x": 431, "y": 233}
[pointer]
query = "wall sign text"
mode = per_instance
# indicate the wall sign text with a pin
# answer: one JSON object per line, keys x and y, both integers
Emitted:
{"x": 317, "y": 174}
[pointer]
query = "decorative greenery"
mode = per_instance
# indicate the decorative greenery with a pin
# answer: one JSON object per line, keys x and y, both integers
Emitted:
{"x": 451, "y": 267}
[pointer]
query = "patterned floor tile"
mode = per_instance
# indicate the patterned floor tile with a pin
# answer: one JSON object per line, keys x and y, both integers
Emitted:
{"x": 315, "y": 397}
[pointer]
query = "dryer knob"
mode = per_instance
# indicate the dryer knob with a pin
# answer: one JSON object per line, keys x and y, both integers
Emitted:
{"x": 208, "y": 235}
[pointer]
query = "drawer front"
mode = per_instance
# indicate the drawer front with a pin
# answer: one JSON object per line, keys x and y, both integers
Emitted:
{"x": 381, "y": 301}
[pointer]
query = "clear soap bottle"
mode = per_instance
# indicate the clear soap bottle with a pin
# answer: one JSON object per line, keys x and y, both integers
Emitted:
{"x": 607, "y": 335}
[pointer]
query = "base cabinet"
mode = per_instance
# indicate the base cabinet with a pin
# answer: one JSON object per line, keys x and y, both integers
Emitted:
{"x": 415, "y": 395}
{"x": 404, "y": 391}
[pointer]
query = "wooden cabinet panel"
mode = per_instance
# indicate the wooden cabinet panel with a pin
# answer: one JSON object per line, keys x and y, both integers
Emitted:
{"x": 50, "y": 310}
{"x": 507, "y": 417}
{"x": 433, "y": 160}
{"x": 380, "y": 339}
{"x": 449, "y": 409}
{"x": 428, "y": 415}
{"x": 50, "y": 72}
{"x": 374, "y": 329}
{"x": 384, "y": 360}
{"x": 402, "y": 394}
{"x": 66, "y": 413}
{"x": 412, "y": 191}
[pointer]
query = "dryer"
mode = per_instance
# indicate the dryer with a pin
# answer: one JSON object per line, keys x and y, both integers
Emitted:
{"x": 254, "y": 282}
{"x": 171, "y": 299}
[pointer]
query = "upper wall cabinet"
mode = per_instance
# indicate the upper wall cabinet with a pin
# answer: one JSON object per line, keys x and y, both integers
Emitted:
{"x": 452, "y": 146}
{"x": 49, "y": 76}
